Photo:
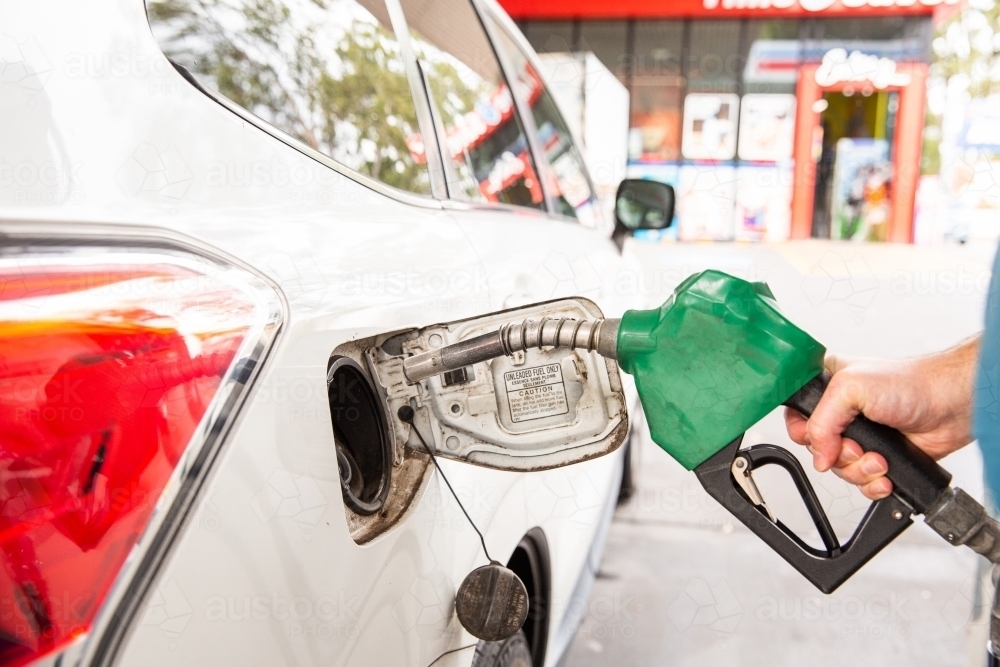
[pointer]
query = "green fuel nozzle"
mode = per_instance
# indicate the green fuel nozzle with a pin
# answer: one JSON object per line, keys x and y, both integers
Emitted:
{"x": 716, "y": 358}
{"x": 713, "y": 361}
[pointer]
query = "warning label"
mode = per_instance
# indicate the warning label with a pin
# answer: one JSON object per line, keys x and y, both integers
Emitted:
{"x": 533, "y": 393}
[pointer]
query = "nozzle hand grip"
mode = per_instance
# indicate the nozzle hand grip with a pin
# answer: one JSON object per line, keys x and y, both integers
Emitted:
{"x": 916, "y": 478}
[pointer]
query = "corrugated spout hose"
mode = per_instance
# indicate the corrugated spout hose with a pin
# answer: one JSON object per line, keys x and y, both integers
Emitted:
{"x": 598, "y": 335}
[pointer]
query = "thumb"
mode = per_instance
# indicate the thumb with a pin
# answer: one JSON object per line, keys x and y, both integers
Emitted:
{"x": 835, "y": 363}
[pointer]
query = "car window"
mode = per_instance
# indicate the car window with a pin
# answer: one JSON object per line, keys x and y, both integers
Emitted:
{"x": 327, "y": 72}
{"x": 487, "y": 154}
{"x": 571, "y": 187}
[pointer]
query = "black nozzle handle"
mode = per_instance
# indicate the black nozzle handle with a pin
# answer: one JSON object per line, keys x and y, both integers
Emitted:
{"x": 915, "y": 476}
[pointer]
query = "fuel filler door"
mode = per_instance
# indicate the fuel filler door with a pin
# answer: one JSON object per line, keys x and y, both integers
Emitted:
{"x": 540, "y": 408}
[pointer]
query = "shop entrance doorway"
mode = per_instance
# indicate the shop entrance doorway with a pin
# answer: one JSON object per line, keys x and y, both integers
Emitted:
{"x": 854, "y": 172}
{"x": 858, "y": 133}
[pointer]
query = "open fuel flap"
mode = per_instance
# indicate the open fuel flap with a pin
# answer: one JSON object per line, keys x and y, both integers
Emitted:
{"x": 535, "y": 409}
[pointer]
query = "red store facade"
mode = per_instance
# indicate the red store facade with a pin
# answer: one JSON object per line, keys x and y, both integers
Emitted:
{"x": 774, "y": 119}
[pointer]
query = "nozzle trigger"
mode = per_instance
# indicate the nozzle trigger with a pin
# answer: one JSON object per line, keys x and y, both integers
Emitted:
{"x": 741, "y": 473}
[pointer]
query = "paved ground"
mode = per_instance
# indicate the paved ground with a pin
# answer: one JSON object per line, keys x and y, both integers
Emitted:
{"x": 682, "y": 583}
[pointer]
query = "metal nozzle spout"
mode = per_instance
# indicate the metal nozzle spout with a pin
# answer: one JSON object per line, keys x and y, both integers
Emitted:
{"x": 592, "y": 335}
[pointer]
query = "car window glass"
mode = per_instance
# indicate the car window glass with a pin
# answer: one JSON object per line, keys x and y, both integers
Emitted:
{"x": 488, "y": 158}
{"x": 327, "y": 72}
{"x": 571, "y": 188}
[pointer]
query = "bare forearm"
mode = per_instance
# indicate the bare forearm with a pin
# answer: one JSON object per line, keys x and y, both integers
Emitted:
{"x": 952, "y": 374}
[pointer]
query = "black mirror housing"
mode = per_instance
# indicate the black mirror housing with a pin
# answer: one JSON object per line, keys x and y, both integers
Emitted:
{"x": 644, "y": 204}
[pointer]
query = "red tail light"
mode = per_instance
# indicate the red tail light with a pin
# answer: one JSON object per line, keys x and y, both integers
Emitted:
{"x": 111, "y": 363}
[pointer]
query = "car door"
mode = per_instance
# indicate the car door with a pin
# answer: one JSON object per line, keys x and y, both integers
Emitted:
{"x": 519, "y": 190}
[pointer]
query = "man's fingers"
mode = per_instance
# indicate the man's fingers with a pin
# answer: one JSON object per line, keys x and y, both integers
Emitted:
{"x": 878, "y": 489}
{"x": 836, "y": 409}
{"x": 795, "y": 424}
{"x": 863, "y": 471}
{"x": 850, "y": 452}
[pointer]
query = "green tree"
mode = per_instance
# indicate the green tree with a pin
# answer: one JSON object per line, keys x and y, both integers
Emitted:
{"x": 352, "y": 103}
{"x": 966, "y": 50}
{"x": 968, "y": 45}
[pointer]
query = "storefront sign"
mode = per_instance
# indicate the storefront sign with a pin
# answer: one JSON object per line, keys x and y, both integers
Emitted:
{"x": 813, "y": 6}
{"x": 599, "y": 9}
{"x": 839, "y": 67}
{"x": 778, "y": 60}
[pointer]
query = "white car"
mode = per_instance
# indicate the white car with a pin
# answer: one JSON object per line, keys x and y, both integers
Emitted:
{"x": 220, "y": 223}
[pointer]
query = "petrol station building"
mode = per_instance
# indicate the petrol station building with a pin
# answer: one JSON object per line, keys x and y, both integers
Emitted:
{"x": 774, "y": 119}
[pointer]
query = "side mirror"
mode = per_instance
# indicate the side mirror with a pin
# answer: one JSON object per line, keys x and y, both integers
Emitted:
{"x": 642, "y": 204}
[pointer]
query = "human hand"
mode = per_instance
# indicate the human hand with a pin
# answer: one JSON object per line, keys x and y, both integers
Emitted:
{"x": 928, "y": 399}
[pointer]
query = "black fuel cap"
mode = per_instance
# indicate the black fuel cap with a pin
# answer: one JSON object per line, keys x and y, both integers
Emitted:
{"x": 492, "y": 602}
